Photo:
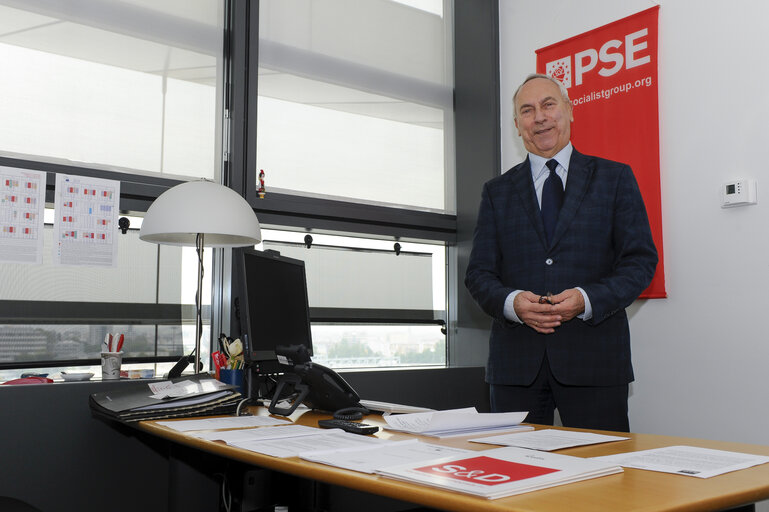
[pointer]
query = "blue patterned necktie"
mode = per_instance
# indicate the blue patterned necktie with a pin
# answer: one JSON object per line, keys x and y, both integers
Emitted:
{"x": 552, "y": 199}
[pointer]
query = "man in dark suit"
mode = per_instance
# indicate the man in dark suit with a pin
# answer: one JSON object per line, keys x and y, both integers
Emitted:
{"x": 561, "y": 248}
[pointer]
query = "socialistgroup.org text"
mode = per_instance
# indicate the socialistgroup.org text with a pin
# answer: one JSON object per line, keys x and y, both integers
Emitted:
{"x": 605, "y": 94}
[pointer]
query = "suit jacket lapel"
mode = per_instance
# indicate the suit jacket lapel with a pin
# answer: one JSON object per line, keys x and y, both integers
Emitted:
{"x": 520, "y": 175}
{"x": 581, "y": 170}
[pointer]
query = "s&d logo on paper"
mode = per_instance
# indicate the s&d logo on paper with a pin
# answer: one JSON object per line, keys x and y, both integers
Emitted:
{"x": 486, "y": 470}
{"x": 560, "y": 70}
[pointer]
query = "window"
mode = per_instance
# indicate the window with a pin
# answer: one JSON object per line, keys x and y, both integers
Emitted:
{"x": 355, "y": 135}
{"x": 354, "y": 132}
{"x": 356, "y": 101}
{"x": 371, "y": 305}
{"x": 124, "y": 85}
{"x": 129, "y": 90}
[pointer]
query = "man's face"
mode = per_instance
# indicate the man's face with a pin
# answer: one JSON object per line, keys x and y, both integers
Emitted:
{"x": 543, "y": 117}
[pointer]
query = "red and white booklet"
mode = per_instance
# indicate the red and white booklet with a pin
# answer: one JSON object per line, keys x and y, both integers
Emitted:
{"x": 501, "y": 472}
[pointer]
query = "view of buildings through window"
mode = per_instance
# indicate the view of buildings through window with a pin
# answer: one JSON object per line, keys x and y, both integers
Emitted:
{"x": 366, "y": 346}
{"x": 363, "y": 273}
{"x": 419, "y": 271}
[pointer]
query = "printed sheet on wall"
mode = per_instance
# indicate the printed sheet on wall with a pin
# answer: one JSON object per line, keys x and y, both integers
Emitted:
{"x": 85, "y": 226}
{"x": 22, "y": 204}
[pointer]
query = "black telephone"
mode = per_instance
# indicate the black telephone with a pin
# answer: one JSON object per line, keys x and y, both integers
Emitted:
{"x": 315, "y": 385}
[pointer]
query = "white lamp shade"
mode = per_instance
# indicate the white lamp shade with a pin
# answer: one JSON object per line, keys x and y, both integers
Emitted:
{"x": 201, "y": 207}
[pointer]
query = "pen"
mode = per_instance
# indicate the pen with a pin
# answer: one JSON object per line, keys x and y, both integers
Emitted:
{"x": 120, "y": 343}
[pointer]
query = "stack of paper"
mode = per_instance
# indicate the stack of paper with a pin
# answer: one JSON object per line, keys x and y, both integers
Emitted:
{"x": 501, "y": 472}
{"x": 369, "y": 458}
{"x": 288, "y": 440}
{"x": 331, "y": 439}
{"x": 548, "y": 439}
{"x": 686, "y": 460}
{"x": 230, "y": 422}
{"x": 456, "y": 422}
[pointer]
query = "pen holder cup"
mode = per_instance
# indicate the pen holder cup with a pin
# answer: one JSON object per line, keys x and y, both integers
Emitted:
{"x": 110, "y": 365}
{"x": 234, "y": 377}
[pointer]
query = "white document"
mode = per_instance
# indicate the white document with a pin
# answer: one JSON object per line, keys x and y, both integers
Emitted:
{"x": 257, "y": 434}
{"x": 453, "y": 422}
{"x": 686, "y": 460}
{"x": 501, "y": 471}
{"x": 168, "y": 389}
{"x": 85, "y": 228}
{"x": 22, "y": 204}
{"x": 330, "y": 439}
{"x": 369, "y": 458}
{"x": 548, "y": 439}
{"x": 228, "y": 422}
{"x": 420, "y": 421}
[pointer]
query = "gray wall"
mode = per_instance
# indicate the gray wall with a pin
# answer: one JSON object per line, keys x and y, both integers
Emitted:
{"x": 56, "y": 456}
{"x": 438, "y": 388}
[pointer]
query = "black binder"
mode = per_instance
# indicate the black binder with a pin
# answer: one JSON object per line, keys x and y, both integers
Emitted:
{"x": 134, "y": 402}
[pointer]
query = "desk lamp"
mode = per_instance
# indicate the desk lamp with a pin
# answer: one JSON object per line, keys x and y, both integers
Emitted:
{"x": 197, "y": 213}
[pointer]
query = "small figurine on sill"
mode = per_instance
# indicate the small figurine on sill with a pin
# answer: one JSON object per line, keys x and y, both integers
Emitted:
{"x": 260, "y": 190}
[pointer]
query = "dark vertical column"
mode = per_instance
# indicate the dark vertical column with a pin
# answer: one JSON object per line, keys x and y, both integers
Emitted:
{"x": 476, "y": 70}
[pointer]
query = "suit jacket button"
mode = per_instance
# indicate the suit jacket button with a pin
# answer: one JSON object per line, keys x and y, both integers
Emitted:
{"x": 549, "y": 261}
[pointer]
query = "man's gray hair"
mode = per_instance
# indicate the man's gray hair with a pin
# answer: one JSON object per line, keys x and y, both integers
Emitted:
{"x": 561, "y": 87}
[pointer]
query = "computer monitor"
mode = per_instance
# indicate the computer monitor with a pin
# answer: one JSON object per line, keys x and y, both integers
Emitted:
{"x": 271, "y": 296}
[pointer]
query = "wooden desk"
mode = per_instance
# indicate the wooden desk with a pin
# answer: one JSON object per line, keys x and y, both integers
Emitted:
{"x": 633, "y": 490}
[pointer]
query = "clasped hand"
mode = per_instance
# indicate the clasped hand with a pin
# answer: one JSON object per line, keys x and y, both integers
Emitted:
{"x": 545, "y": 317}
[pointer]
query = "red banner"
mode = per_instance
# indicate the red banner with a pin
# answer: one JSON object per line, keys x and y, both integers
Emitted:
{"x": 611, "y": 75}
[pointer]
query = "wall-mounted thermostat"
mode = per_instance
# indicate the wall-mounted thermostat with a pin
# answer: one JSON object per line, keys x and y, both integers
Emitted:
{"x": 738, "y": 193}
